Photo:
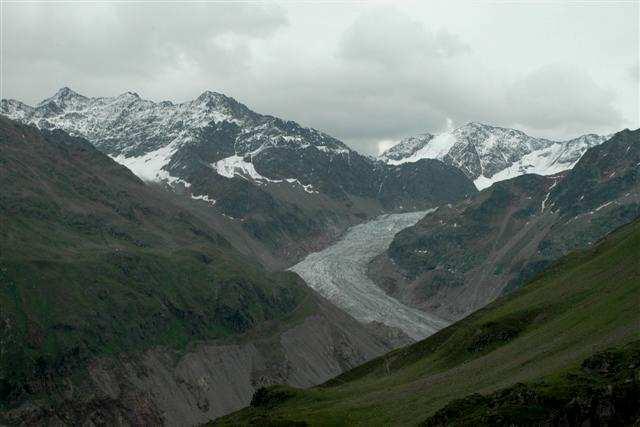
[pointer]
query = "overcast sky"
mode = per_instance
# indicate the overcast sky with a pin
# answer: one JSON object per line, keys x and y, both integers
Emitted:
{"x": 367, "y": 73}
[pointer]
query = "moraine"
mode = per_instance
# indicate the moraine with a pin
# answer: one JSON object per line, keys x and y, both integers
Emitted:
{"x": 339, "y": 274}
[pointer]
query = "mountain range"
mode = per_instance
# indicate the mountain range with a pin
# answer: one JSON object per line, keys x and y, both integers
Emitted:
{"x": 292, "y": 188}
{"x": 488, "y": 154}
{"x": 147, "y": 273}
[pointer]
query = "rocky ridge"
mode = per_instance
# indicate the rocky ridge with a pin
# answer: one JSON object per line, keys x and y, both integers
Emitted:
{"x": 287, "y": 186}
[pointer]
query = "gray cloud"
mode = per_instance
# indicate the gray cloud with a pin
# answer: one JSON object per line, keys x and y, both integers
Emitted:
{"x": 364, "y": 73}
{"x": 561, "y": 96}
{"x": 634, "y": 73}
{"x": 389, "y": 37}
{"x": 99, "y": 46}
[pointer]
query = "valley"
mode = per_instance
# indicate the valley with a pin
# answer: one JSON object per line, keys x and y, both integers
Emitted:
{"x": 319, "y": 213}
{"x": 465, "y": 255}
{"x": 119, "y": 304}
{"x": 563, "y": 350}
{"x": 215, "y": 256}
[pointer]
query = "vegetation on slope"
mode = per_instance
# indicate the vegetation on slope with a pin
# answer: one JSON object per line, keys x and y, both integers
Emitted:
{"x": 95, "y": 263}
{"x": 557, "y": 348}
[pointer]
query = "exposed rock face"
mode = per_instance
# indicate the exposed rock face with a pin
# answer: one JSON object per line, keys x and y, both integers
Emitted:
{"x": 488, "y": 154}
{"x": 465, "y": 255}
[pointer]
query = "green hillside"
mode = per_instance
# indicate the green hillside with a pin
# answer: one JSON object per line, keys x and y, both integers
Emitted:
{"x": 564, "y": 347}
{"x": 95, "y": 263}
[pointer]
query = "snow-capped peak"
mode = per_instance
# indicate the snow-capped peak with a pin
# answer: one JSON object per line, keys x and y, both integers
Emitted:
{"x": 154, "y": 139}
{"x": 406, "y": 148}
{"x": 62, "y": 97}
{"x": 487, "y": 154}
{"x": 208, "y": 95}
{"x": 129, "y": 95}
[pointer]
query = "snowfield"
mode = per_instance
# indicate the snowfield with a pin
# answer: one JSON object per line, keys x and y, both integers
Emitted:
{"x": 339, "y": 274}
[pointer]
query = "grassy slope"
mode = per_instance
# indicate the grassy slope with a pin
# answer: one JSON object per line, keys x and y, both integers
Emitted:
{"x": 94, "y": 263}
{"x": 586, "y": 302}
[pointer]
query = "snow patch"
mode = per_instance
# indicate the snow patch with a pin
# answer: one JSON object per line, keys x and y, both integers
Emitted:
{"x": 150, "y": 166}
{"x": 544, "y": 202}
{"x": 547, "y": 161}
{"x": 436, "y": 148}
{"x": 236, "y": 165}
{"x": 205, "y": 198}
{"x": 603, "y": 206}
{"x": 308, "y": 188}
{"x": 330, "y": 150}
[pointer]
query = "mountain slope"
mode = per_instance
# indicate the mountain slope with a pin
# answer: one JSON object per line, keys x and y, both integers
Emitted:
{"x": 467, "y": 254}
{"x": 290, "y": 187}
{"x": 562, "y": 350}
{"x": 119, "y": 306}
{"x": 489, "y": 154}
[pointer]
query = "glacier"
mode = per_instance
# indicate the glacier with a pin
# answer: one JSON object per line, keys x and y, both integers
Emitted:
{"x": 339, "y": 274}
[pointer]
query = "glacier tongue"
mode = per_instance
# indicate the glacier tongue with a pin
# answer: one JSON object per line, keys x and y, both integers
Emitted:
{"x": 339, "y": 274}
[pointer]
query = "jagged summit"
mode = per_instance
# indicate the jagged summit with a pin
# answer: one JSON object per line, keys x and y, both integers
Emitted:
{"x": 65, "y": 91}
{"x": 480, "y": 125}
{"x": 130, "y": 125}
{"x": 62, "y": 96}
{"x": 66, "y": 94}
{"x": 209, "y": 94}
{"x": 218, "y": 150}
{"x": 129, "y": 94}
{"x": 487, "y": 153}
{"x": 145, "y": 135}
